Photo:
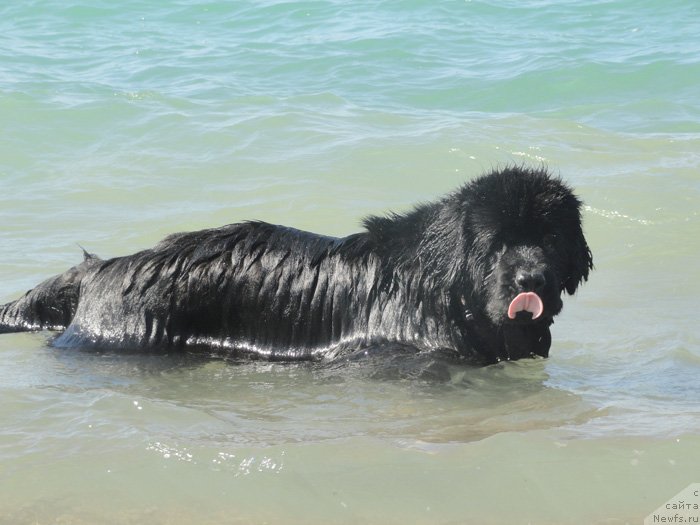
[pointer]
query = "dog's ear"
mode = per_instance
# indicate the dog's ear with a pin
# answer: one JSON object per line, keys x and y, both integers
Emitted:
{"x": 579, "y": 264}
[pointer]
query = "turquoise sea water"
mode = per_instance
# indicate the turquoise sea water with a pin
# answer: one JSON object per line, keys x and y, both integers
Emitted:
{"x": 121, "y": 122}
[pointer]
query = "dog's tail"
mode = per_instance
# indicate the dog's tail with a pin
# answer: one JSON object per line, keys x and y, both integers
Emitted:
{"x": 50, "y": 305}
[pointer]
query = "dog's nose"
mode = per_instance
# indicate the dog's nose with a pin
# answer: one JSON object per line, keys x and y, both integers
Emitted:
{"x": 530, "y": 281}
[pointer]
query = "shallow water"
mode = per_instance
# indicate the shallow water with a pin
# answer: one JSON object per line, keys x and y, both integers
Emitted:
{"x": 125, "y": 122}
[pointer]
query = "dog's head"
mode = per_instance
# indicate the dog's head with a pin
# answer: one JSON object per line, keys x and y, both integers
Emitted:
{"x": 527, "y": 247}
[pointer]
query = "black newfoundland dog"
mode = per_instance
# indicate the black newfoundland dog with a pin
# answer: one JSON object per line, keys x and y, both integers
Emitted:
{"x": 479, "y": 274}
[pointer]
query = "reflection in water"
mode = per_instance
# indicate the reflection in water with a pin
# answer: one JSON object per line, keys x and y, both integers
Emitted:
{"x": 388, "y": 392}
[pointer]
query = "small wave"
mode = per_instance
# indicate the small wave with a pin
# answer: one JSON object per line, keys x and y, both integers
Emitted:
{"x": 616, "y": 215}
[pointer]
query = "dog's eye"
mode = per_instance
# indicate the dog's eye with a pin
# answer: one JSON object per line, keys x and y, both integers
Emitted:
{"x": 549, "y": 239}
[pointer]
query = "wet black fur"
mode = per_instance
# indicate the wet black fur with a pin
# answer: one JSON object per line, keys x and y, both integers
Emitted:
{"x": 438, "y": 277}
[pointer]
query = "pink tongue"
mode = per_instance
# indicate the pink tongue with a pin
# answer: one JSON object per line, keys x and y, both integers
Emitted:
{"x": 526, "y": 302}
